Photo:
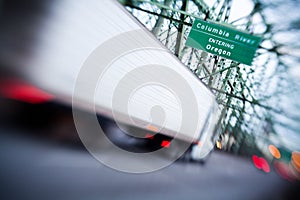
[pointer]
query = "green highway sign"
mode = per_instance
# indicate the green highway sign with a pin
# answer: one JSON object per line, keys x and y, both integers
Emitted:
{"x": 223, "y": 41}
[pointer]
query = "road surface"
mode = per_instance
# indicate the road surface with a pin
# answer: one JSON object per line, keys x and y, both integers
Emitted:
{"x": 34, "y": 167}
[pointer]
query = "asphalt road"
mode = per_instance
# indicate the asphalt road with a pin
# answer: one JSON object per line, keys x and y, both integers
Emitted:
{"x": 36, "y": 168}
